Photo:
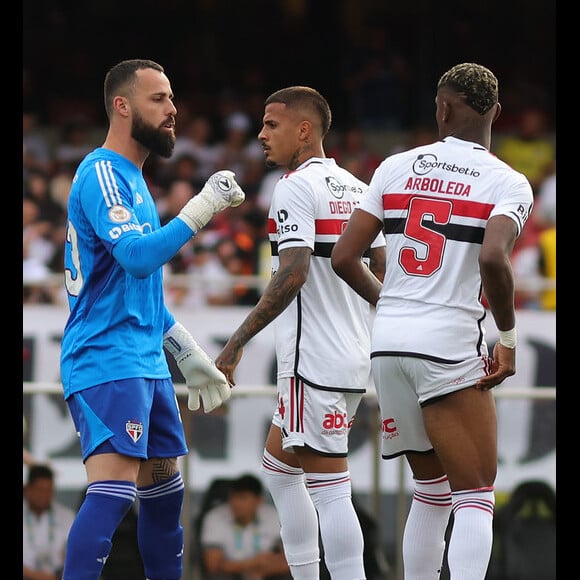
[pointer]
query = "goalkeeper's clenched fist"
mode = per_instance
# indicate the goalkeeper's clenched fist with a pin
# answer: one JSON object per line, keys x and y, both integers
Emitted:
{"x": 203, "y": 379}
{"x": 219, "y": 192}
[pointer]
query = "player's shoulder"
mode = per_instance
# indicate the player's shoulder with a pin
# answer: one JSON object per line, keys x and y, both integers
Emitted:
{"x": 93, "y": 160}
{"x": 406, "y": 156}
{"x": 106, "y": 158}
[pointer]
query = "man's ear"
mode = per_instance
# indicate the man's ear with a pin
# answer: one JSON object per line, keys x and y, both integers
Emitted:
{"x": 121, "y": 105}
{"x": 446, "y": 110}
{"x": 304, "y": 130}
{"x": 497, "y": 112}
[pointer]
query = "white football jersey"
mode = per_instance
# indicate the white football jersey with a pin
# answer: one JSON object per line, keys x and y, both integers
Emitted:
{"x": 435, "y": 201}
{"x": 323, "y": 336}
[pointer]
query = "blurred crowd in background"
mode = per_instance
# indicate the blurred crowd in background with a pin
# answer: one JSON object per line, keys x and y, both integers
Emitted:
{"x": 223, "y": 60}
{"x": 235, "y": 242}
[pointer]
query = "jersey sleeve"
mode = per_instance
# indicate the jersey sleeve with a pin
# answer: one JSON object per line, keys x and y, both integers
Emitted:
{"x": 516, "y": 201}
{"x": 372, "y": 202}
{"x": 293, "y": 209}
{"x": 140, "y": 247}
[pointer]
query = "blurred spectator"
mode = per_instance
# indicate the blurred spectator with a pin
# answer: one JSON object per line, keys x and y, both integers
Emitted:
{"x": 37, "y": 189}
{"x": 44, "y": 227}
{"x": 214, "y": 262}
{"x": 529, "y": 283}
{"x": 60, "y": 184}
{"x": 195, "y": 141}
{"x": 229, "y": 264}
{"x": 35, "y": 147}
{"x": 250, "y": 238}
{"x": 534, "y": 259}
{"x": 546, "y": 251}
{"x": 240, "y": 538}
{"x": 179, "y": 192}
{"x": 75, "y": 142}
{"x": 547, "y": 265}
{"x": 267, "y": 183}
{"x": 546, "y": 219}
{"x": 353, "y": 153}
{"x": 45, "y": 526}
{"x": 239, "y": 147}
{"x": 530, "y": 149}
{"x": 183, "y": 167}
{"x": 545, "y": 204}
{"x": 37, "y": 251}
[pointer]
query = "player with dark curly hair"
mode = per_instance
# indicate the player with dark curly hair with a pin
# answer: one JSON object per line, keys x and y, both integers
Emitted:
{"x": 451, "y": 212}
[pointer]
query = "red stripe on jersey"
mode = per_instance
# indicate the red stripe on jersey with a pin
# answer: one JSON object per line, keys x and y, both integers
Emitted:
{"x": 332, "y": 226}
{"x": 271, "y": 226}
{"x": 473, "y": 209}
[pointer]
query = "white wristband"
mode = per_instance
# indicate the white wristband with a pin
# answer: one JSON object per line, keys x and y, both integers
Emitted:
{"x": 508, "y": 338}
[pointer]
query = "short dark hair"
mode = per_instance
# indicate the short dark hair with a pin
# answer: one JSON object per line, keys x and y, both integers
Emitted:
{"x": 39, "y": 471}
{"x": 247, "y": 482}
{"x": 476, "y": 82}
{"x": 122, "y": 76}
{"x": 307, "y": 98}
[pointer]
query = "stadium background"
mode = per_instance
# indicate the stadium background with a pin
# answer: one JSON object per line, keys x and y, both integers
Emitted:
{"x": 212, "y": 48}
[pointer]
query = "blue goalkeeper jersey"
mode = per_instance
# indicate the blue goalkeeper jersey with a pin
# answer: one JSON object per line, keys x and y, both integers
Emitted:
{"x": 114, "y": 253}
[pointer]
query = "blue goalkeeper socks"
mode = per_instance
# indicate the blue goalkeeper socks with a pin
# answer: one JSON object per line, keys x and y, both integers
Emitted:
{"x": 159, "y": 530}
{"x": 89, "y": 542}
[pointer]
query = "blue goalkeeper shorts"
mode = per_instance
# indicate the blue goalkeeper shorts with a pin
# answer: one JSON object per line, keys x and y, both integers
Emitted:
{"x": 133, "y": 417}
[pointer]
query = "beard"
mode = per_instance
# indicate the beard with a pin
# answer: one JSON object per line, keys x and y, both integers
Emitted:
{"x": 152, "y": 138}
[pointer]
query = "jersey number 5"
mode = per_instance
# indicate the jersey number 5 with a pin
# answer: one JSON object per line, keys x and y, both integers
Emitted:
{"x": 420, "y": 209}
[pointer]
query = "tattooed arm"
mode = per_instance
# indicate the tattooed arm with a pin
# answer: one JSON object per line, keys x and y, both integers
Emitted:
{"x": 281, "y": 290}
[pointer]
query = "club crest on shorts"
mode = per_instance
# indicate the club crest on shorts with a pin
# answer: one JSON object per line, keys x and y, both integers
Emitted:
{"x": 134, "y": 430}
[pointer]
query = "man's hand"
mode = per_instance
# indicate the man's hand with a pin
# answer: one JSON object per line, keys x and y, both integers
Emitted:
{"x": 503, "y": 366}
{"x": 202, "y": 378}
{"x": 219, "y": 192}
{"x": 228, "y": 359}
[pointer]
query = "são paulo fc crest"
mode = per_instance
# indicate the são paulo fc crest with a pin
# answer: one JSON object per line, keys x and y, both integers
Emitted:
{"x": 134, "y": 430}
{"x": 119, "y": 214}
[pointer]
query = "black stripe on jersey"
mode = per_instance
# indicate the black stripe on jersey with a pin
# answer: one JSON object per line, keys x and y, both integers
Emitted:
{"x": 457, "y": 232}
{"x": 436, "y": 359}
{"x": 298, "y": 427}
{"x": 298, "y": 332}
{"x": 321, "y": 249}
{"x": 324, "y": 250}
{"x": 326, "y": 388}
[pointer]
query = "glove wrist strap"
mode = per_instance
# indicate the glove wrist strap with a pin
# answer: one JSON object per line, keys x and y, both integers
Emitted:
{"x": 178, "y": 341}
{"x": 197, "y": 212}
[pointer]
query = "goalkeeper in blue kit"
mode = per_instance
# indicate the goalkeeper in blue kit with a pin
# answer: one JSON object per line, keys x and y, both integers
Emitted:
{"x": 115, "y": 376}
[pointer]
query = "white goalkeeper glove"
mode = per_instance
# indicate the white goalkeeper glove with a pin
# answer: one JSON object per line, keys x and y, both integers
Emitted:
{"x": 220, "y": 191}
{"x": 202, "y": 377}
